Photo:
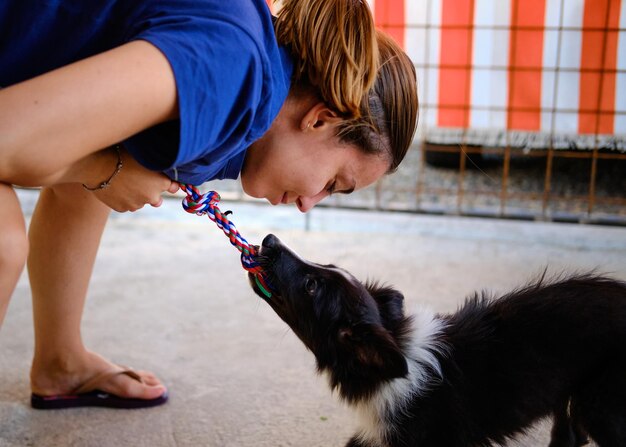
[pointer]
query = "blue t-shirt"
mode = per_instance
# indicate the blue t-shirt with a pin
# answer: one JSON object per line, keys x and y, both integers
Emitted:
{"x": 231, "y": 76}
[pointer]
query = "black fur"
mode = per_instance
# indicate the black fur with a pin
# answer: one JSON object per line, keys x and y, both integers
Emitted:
{"x": 554, "y": 348}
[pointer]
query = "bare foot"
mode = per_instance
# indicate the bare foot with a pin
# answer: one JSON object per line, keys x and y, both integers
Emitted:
{"x": 65, "y": 376}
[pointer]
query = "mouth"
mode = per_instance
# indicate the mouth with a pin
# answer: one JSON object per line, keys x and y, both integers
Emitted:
{"x": 280, "y": 200}
{"x": 266, "y": 258}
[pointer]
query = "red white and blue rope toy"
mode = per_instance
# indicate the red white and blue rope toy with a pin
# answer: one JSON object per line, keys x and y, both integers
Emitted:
{"x": 202, "y": 204}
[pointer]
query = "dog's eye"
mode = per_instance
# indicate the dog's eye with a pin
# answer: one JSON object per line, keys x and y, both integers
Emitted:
{"x": 310, "y": 286}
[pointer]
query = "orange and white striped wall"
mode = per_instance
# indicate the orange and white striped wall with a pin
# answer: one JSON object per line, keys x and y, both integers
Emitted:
{"x": 516, "y": 70}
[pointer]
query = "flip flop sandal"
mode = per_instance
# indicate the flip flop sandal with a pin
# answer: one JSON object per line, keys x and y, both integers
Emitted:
{"x": 88, "y": 395}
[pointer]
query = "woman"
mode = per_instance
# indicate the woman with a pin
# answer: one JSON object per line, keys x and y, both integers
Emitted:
{"x": 194, "y": 91}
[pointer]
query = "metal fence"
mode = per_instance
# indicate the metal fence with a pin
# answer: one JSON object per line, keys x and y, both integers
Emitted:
{"x": 523, "y": 107}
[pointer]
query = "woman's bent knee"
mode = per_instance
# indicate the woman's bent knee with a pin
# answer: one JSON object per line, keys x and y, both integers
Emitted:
{"x": 13, "y": 248}
{"x": 13, "y": 237}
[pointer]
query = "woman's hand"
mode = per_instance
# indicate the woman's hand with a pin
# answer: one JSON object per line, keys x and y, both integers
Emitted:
{"x": 129, "y": 190}
{"x": 135, "y": 186}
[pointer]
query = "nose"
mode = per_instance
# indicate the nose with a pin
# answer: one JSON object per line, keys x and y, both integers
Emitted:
{"x": 306, "y": 203}
{"x": 270, "y": 241}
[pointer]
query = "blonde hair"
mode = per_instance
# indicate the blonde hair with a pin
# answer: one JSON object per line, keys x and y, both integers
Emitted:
{"x": 335, "y": 48}
{"x": 389, "y": 112}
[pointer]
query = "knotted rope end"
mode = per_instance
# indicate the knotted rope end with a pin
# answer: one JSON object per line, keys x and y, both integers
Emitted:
{"x": 201, "y": 204}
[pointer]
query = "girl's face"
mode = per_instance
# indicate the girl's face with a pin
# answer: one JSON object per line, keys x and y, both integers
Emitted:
{"x": 301, "y": 161}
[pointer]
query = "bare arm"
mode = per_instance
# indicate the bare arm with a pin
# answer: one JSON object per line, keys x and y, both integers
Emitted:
{"x": 53, "y": 121}
{"x": 133, "y": 186}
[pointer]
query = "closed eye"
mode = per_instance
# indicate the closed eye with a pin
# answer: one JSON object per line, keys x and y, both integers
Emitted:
{"x": 331, "y": 189}
{"x": 346, "y": 191}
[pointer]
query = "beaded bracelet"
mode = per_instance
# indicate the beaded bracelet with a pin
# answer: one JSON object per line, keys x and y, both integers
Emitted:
{"x": 105, "y": 184}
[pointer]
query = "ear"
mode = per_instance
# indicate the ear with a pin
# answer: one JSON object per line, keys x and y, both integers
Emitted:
{"x": 390, "y": 303}
{"x": 375, "y": 350}
{"x": 318, "y": 116}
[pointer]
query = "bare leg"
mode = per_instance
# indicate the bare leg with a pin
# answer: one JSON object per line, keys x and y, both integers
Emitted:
{"x": 65, "y": 233}
{"x": 13, "y": 245}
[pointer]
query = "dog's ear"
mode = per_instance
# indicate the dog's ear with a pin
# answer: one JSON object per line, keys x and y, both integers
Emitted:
{"x": 390, "y": 302}
{"x": 375, "y": 350}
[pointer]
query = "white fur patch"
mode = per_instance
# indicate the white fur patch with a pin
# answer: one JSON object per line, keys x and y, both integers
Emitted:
{"x": 391, "y": 400}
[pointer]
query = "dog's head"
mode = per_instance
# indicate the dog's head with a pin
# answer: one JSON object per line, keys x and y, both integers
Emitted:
{"x": 355, "y": 330}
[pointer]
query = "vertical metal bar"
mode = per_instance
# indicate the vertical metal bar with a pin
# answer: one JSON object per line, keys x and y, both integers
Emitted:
{"x": 507, "y": 149}
{"x": 592, "y": 178}
{"x": 419, "y": 186}
{"x": 468, "y": 106}
{"x": 594, "y": 159}
{"x": 550, "y": 155}
{"x": 547, "y": 182}
{"x": 505, "y": 178}
{"x": 461, "y": 178}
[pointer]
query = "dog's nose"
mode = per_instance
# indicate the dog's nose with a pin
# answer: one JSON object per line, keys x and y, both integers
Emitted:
{"x": 270, "y": 241}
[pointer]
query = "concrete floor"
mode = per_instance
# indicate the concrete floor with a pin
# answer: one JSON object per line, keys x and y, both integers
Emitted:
{"x": 169, "y": 295}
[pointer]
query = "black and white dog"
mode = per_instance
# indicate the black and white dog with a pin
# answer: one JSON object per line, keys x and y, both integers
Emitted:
{"x": 473, "y": 378}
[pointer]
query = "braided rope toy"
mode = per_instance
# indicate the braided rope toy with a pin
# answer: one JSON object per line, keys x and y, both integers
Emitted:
{"x": 201, "y": 204}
